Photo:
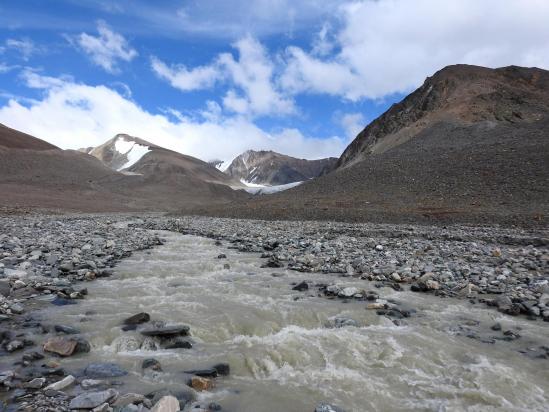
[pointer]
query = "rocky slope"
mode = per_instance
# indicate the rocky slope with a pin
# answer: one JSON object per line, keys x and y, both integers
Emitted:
{"x": 471, "y": 145}
{"x": 271, "y": 168}
{"x": 461, "y": 95}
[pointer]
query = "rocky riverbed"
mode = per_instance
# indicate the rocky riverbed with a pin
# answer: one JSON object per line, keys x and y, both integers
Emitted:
{"x": 48, "y": 261}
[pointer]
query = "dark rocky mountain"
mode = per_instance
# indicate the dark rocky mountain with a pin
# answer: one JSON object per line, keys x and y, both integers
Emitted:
{"x": 37, "y": 175}
{"x": 471, "y": 144}
{"x": 461, "y": 95}
{"x": 271, "y": 168}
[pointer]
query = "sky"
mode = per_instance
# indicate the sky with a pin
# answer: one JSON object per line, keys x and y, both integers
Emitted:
{"x": 213, "y": 78}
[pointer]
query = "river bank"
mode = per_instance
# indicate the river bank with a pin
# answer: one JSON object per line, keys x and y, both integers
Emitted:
{"x": 45, "y": 257}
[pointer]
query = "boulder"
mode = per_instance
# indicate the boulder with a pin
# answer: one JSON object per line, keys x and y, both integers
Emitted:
{"x": 137, "y": 319}
{"x": 90, "y": 400}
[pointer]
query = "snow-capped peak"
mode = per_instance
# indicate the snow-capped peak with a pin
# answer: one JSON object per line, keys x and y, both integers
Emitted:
{"x": 132, "y": 150}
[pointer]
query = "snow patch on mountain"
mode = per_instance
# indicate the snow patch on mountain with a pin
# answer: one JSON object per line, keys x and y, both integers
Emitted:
{"x": 132, "y": 150}
{"x": 256, "y": 189}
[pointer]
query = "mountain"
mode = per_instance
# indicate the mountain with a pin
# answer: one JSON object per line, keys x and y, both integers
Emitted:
{"x": 271, "y": 168}
{"x": 460, "y": 95}
{"x": 470, "y": 145}
{"x": 132, "y": 155}
{"x": 37, "y": 175}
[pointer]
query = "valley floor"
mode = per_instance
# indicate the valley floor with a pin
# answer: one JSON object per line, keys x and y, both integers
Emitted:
{"x": 50, "y": 259}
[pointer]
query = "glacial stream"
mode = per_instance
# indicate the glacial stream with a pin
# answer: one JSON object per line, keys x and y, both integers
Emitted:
{"x": 283, "y": 349}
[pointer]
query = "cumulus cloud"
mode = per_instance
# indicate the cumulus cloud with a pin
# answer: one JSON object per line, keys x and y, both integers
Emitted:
{"x": 390, "y": 46}
{"x": 106, "y": 49}
{"x": 71, "y": 113}
{"x": 181, "y": 78}
{"x": 253, "y": 74}
{"x": 251, "y": 77}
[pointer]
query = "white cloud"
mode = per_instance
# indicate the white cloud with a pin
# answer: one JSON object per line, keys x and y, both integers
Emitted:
{"x": 107, "y": 49}
{"x": 352, "y": 123}
{"x": 181, "y": 78}
{"x": 24, "y": 46}
{"x": 73, "y": 115}
{"x": 251, "y": 78}
{"x": 253, "y": 73}
{"x": 390, "y": 46}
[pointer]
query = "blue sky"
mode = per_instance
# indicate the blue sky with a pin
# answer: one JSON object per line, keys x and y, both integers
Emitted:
{"x": 214, "y": 78}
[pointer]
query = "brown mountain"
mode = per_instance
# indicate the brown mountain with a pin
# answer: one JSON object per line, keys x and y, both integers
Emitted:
{"x": 37, "y": 175}
{"x": 471, "y": 144}
{"x": 271, "y": 168}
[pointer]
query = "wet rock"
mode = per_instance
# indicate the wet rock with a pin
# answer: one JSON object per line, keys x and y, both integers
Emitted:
{"x": 137, "y": 319}
{"x": 223, "y": 369}
{"x": 201, "y": 384}
{"x": 205, "y": 373}
{"x": 151, "y": 363}
{"x": 91, "y": 400}
{"x": 300, "y": 287}
{"x": 60, "y": 346}
{"x": 91, "y": 383}
{"x": 14, "y": 345}
{"x": 67, "y": 330}
{"x": 62, "y": 302}
{"x": 36, "y": 383}
{"x": 348, "y": 292}
{"x": 126, "y": 344}
{"x": 166, "y": 404}
{"x": 222, "y": 256}
{"x": 167, "y": 331}
{"x": 344, "y": 322}
{"x": 496, "y": 326}
{"x": 325, "y": 407}
{"x": 179, "y": 343}
{"x": 62, "y": 384}
{"x": 128, "y": 399}
{"x": 104, "y": 370}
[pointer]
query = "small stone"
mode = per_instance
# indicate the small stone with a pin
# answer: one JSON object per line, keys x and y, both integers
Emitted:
{"x": 396, "y": 277}
{"x": 496, "y": 326}
{"x": 151, "y": 363}
{"x": 376, "y": 305}
{"x": 325, "y": 407}
{"x": 91, "y": 383}
{"x": 349, "y": 292}
{"x": 129, "y": 398}
{"x": 102, "y": 408}
{"x": 15, "y": 345}
{"x": 67, "y": 330}
{"x": 223, "y": 369}
{"x": 104, "y": 370}
{"x": 36, "y": 383}
{"x": 167, "y": 331}
{"x": 62, "y": 384}
{"x": 432, "y": 284}
{"x": 379, "y": 247}
{"x": 166, "y": 404}
{"x": 300, "y": 287}
{"x": 222, "y": 256}
{"x": 201, "y": 384}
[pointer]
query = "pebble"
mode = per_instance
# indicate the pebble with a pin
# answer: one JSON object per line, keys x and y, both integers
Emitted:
{"x": 62, "y": 384}
{"x": 90, "y": 400}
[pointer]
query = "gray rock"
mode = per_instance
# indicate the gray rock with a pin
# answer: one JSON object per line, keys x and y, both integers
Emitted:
{"x": 90, "y": 400}
{"x": 325, "y": 407}
{"x": 104, "y": 370}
